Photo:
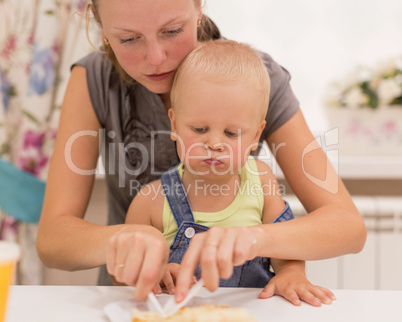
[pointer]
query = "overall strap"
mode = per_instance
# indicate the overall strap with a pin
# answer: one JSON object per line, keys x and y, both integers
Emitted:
{"x": 176, "y": 196}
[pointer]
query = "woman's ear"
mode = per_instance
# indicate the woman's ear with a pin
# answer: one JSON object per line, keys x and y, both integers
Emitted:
{"x": 257, "y": 135}
{"x": 173, "y": 134}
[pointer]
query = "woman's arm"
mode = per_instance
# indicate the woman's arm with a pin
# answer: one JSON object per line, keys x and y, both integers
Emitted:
{"x": 65, "y": 240}
{"x": 333, "y": 226}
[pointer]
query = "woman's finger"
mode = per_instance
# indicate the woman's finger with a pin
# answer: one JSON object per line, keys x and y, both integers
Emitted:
{"x": 209, "y": 258}
{"x": 121, "y": 252}
{"x": 188, "y": 266}
{"x": 152, "y": 269}
{"x": 134, "y": 261}
{"x": 111, "y": 254}
{"x": 225, "y": 254}
{"x": 243, "y": 246}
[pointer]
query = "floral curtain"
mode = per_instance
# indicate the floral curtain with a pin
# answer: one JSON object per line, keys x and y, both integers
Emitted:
{"x": 39, "y": 40}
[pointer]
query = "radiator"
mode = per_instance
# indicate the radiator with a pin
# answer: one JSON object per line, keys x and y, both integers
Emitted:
{"x": 379, "y": 265}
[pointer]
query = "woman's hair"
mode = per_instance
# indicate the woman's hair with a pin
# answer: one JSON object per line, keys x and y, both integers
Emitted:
{"x": 207, "y": 30}
{"x": 224, "y": 61}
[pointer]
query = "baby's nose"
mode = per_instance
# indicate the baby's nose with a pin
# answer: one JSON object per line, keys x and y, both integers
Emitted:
{"x": 218, "y": 146}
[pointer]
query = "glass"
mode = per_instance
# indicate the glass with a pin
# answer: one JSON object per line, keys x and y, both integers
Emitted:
{"x": 9, "y": 255}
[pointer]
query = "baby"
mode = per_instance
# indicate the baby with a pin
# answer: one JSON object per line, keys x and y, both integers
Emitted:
{"x": 219, "y": 195}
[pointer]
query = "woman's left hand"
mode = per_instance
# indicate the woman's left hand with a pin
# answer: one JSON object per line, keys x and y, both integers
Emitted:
{"x": 292, "y": 284}
{"x": 217, "y": 250}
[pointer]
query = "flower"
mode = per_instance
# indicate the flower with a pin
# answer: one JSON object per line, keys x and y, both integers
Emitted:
{"x": 42, "y": 71}
{"x": 9, "y": 47}
{"x": 33, "y": 139}
{"x": 372, "y": 88}
{"x": 32, "y": 158}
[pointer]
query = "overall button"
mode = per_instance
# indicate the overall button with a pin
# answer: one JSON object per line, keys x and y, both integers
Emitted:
{"x": 189, "y": 232}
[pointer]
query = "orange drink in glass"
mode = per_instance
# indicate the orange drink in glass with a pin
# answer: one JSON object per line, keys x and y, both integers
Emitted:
{"x": 9, "y": 255}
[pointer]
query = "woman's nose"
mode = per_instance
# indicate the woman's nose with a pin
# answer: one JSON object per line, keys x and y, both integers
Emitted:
{"x": 155, "y": 54}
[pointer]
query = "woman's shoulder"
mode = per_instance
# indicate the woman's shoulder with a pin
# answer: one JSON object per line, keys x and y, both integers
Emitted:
{"x": 275, "y": 70}
{"x": 95, "y": 60}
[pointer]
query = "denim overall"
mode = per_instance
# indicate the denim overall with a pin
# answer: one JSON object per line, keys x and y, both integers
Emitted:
{"x": 253, "y": 273}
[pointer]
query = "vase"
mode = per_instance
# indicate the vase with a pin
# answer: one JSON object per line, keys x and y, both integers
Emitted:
{"x": 366, "y": 131}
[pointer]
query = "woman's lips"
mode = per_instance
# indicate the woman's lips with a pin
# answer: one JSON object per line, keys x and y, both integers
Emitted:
{"x": 160, "y": 77}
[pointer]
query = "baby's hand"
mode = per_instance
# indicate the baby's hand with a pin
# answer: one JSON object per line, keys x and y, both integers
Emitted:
{"x": 168, "y": 281}
{"x": 293, "y": 285}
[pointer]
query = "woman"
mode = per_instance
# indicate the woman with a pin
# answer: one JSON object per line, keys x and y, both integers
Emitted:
{"x": 147, "y": 40}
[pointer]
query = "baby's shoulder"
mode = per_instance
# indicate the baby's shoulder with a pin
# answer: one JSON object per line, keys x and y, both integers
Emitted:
{"x": 152, "y": 191}
{"x": 264, "y": 171}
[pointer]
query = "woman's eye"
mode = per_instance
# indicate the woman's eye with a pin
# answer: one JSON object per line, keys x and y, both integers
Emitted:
{"x": 128, "y": 40}
{"x": 174, "y": 31}
{"x": 231, "y": 133}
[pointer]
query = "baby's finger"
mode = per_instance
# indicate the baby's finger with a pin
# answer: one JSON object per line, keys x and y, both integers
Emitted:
{"x": 157, "y": 289}
{"x": 292, "y": 296}
{"x": 268, "y": 291}
{"x": 309, "y": 297}
{"x": 328, "y": 293}
{"x": 322, "y": 295}
{"x": 168, "y": 281}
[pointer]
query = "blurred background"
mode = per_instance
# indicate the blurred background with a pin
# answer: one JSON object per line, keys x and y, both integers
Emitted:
{"x": 318, "y": 42}
{"x": 345, "y": 61}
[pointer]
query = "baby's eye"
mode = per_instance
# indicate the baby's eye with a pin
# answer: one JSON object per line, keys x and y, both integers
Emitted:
{"x": 200, "y": 129}
{"x": 231, "y": 133}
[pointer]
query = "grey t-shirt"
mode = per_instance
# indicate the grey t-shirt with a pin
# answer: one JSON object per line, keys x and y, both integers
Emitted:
{"x": 136, "y": 146}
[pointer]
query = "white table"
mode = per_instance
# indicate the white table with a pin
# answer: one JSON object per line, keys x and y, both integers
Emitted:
{"x": 86, "y": 303}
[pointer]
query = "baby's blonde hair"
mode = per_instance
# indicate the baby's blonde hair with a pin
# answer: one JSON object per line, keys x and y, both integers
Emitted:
{"x": 225, "y": 61}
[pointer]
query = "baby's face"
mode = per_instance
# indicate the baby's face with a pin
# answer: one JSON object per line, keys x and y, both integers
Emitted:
{"x": 216, "y": 125}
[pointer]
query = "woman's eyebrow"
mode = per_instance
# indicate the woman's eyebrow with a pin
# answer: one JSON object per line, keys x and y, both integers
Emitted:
{"x": 179, "y": 18}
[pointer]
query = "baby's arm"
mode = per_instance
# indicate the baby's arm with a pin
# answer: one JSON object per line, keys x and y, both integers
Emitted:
{"x": 147, "y": 206}
{"x": 290, "y": 280}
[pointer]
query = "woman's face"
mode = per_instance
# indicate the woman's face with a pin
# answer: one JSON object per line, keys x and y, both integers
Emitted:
{"x": 150, "y": 38}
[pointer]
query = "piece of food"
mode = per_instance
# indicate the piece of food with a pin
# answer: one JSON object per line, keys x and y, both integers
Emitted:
{"x": 202, "y": 313}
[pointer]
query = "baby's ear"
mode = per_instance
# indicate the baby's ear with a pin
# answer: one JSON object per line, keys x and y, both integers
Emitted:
{"x": 257, "y": 135}
{"x": 173, "y": 134}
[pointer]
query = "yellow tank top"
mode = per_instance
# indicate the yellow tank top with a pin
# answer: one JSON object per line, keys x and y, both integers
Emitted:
{"x": 245, "y": 210}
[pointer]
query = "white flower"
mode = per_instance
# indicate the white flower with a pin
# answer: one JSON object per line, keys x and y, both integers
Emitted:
{"x": 354, "y": 98}
{"x": 388, "y": 89}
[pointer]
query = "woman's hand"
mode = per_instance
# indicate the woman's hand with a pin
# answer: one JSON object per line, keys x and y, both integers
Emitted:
{"x": 291, "y": 283}
{"x": 217, "y": 250}
{"x": 137, "y": 255}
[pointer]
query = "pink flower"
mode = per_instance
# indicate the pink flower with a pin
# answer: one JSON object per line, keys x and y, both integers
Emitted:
{"x": 30, "y": 39}
{"x": 353, "y": 127}
{"x": 33, "y": 139}
{"x": 56, "y": 47}
{"x": 8, "y": 228}
{"x": 32, "y": 161}
{"x": 9, "y": 47}
{"x": 389, "y": 127}
{"x": 81, "y": 5}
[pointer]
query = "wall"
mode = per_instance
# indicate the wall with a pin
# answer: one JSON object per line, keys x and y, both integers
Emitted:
{"x": 318, "y": 42}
